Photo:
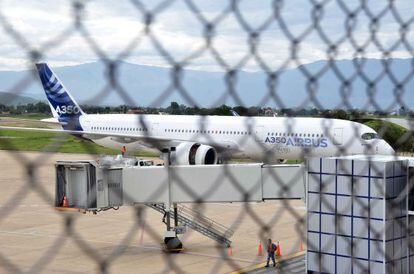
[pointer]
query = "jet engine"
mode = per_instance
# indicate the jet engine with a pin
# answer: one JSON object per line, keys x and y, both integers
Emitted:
{"x": 194, "y": 154}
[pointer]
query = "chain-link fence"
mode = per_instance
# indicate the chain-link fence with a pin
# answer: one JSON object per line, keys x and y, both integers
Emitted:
{"x": 321, "y": 55}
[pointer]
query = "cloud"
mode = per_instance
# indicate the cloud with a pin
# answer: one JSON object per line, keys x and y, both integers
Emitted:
{"x": 114, "y": 25}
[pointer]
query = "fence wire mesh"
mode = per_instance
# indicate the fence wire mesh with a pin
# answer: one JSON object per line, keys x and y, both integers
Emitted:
{"x": 356, "y": 30}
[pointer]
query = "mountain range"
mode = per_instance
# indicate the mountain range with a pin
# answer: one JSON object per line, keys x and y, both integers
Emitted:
{"x": 151, "y": 86}
{"x": 12, "y": 99}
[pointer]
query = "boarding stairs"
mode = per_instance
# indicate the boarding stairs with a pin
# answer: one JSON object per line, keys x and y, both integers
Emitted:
{"x": 198, "y": 222}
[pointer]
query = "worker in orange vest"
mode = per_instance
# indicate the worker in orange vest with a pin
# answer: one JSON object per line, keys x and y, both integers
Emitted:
{"x": 271, "y": 249}
{"x": 123, "y": 151}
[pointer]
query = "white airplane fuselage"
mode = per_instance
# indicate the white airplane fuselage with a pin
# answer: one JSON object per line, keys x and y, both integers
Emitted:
{"x": 257, "y": 138}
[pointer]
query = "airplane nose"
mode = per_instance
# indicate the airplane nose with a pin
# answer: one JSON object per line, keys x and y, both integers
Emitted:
{"x": 385, "y": 149}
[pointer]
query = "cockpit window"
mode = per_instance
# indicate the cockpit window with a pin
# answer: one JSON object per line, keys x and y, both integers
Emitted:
{"x": 370, "y": 136}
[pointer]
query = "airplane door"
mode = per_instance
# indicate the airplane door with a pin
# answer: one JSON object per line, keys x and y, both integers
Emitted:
{"x": 338, "y": 136}
{"x": 259, "y": 133}
{"x": 154, "y": 129}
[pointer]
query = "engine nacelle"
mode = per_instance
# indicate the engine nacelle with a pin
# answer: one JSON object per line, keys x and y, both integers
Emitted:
{"x": 194, "y": 154}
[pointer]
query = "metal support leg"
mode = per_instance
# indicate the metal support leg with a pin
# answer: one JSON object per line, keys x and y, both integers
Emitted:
{"x": 175, "y": 215}
{"x": 172, "y": 243}
{"x": 168, "y": 223}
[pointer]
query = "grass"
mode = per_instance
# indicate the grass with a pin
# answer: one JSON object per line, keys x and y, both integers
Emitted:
{"x": 52, "y": 142}
{"x": 29, "y": 116}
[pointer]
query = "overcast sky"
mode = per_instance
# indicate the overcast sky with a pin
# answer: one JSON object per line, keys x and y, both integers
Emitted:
{"x": 113, "y": 25}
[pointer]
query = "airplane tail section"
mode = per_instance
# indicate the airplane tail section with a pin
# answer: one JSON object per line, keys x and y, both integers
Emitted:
{"x": 62, "y": 104}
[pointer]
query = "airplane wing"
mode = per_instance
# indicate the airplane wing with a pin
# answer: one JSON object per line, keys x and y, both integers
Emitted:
{"x": 155, "y": 140}
{"x": 51, "y": 120}
{"x": 85, "y": 133}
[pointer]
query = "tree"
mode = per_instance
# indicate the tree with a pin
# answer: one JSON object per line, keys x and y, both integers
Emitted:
{"x": 242, "y": 111}
{"x": 174, "y": 108}
{"x": 223, "y": 110}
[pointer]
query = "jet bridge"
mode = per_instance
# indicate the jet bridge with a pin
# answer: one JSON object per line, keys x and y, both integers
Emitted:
{"x": 86, "y": 185}
{"x": 100, "y": 185}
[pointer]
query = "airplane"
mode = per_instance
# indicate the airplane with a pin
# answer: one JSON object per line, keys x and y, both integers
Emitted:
{"x": 204, "y": 140}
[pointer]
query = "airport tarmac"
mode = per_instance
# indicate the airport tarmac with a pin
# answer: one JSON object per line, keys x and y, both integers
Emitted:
{"x": 33, "y": 234}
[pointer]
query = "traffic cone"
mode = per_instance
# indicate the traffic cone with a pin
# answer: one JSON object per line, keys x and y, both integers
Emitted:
{"x": 259, "y": 250}
{"x": 65, "y": 202}
{"x": 301, "y": 247}
{"x": 278, "y": 253}
{"x": 230, "y": 252}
